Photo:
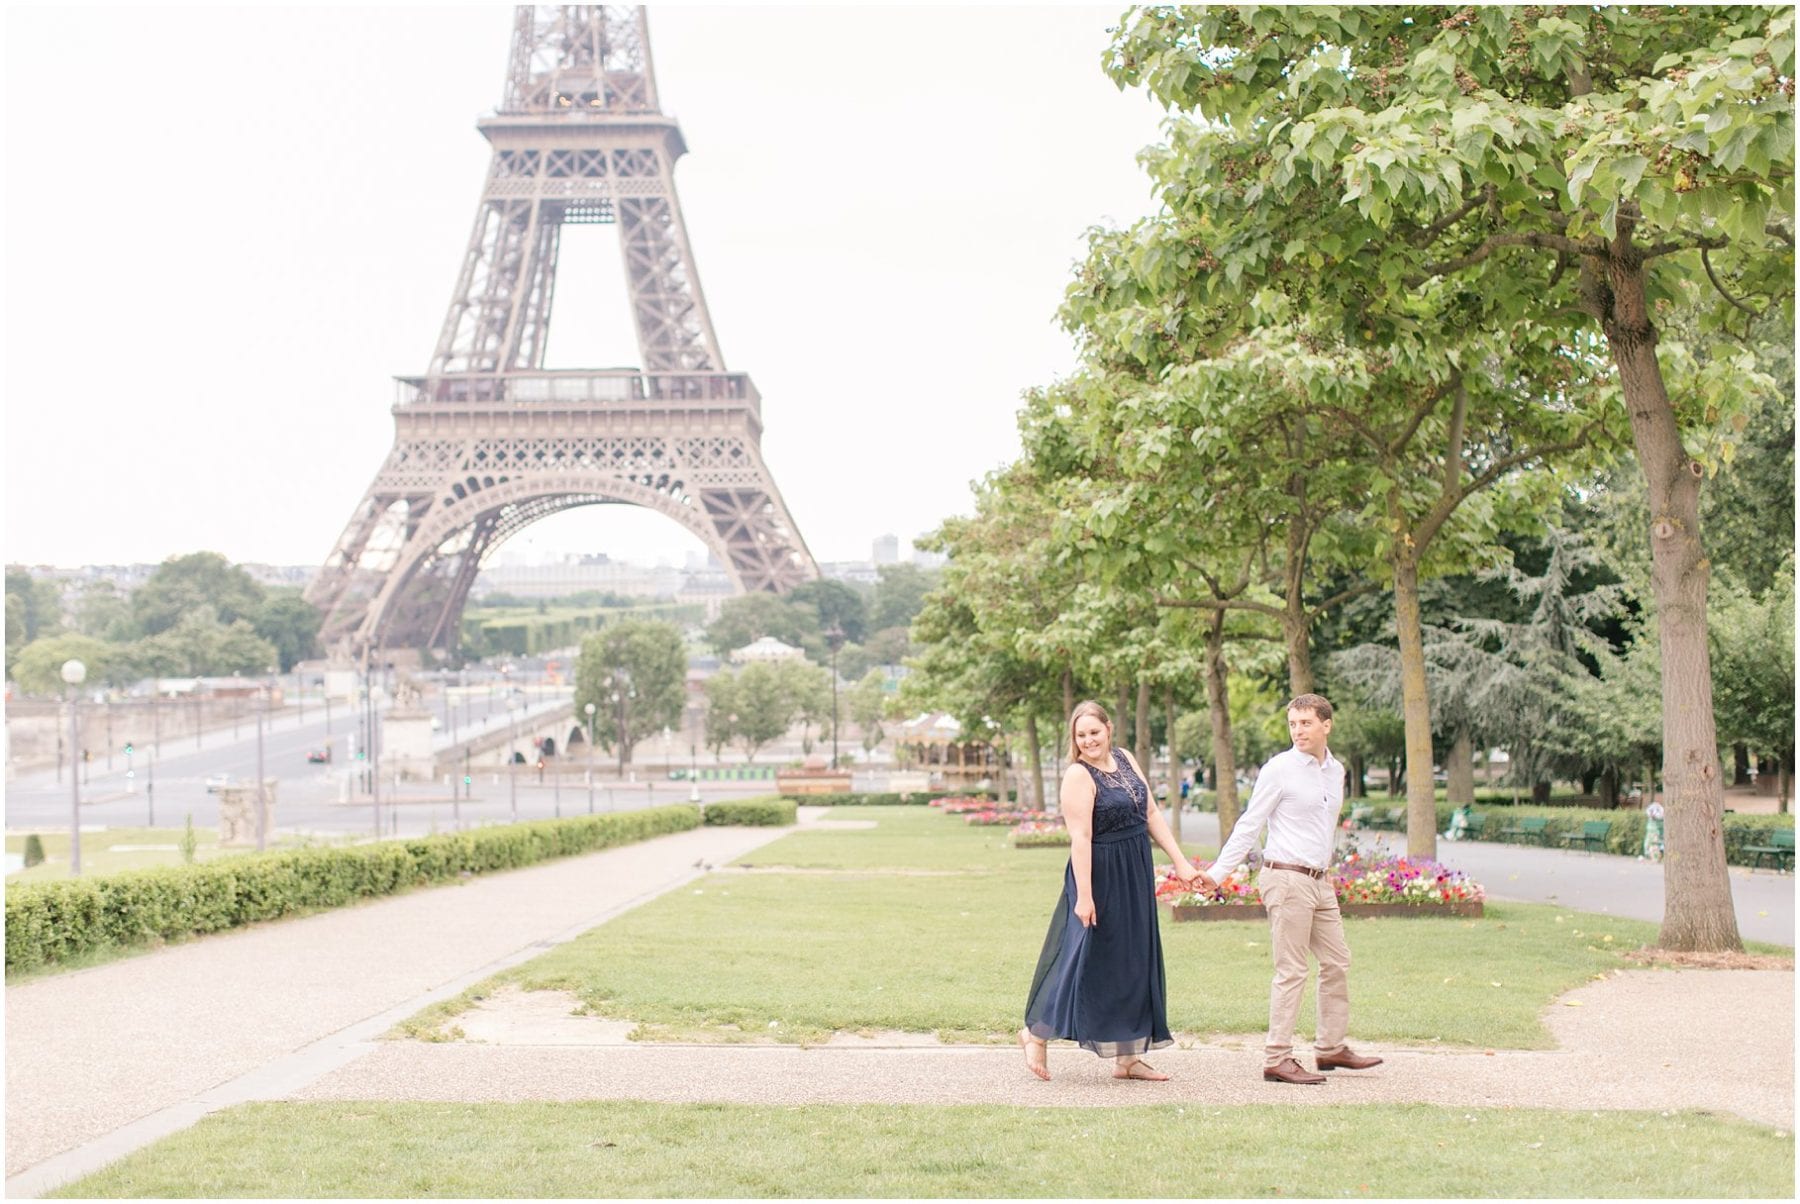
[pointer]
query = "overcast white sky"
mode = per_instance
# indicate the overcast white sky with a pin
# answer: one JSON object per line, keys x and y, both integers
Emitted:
{"x": 227, "y": 229}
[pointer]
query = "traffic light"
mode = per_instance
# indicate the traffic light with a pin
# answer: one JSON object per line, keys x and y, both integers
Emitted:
{"x": 467, "y": 779}
{"x": 128, "y": 748}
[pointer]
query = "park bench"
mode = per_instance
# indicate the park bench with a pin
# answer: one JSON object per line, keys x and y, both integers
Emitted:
{"x": 1592, "y": 836}
{"x": 1359, "y": 816}
{"x": 1535, "y": 829}
{"x": 1780, "y": 847}
{"x": 1473, "y": 832}
{"x": 1393, "y": 821}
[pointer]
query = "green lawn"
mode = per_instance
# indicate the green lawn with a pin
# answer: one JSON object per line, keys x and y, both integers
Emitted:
{"x": 600, "y": 1149}
{"x": 936, "y": 926}
{"x": 144, "y": 848}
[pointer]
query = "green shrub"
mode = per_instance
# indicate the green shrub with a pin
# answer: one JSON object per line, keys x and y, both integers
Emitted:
{"x": 874, "y": 798}
{"x": 49, "y": 922}
{"x": 772, "y": 811}
{"x": 1626, "y": 836}
{"x": 34, "y": 850}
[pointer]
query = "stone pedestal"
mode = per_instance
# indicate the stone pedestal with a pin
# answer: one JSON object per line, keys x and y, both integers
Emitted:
{"x": 814, "y": 777}
{"x": 406, "y": 736}
{"x": 237, "y": 813}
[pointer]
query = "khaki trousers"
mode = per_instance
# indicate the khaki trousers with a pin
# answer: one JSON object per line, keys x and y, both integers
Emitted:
{"x": 1303, "y": 915}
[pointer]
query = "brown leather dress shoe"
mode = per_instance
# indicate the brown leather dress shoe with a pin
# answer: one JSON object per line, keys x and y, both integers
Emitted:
{"x": 1345, "y": 1059}
{"x": 1290, "y": 1071}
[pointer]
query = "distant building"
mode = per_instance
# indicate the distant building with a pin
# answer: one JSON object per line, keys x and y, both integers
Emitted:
{"x": 862, "y": 571}
{"x": 887, "y": 550}
{"x": 929, "y": 560}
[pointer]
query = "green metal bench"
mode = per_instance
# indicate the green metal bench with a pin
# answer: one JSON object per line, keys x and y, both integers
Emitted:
{"x": 1593, "y": 835}
{"x": 1780, "y": 847}
{"x": 1536, "y": 829}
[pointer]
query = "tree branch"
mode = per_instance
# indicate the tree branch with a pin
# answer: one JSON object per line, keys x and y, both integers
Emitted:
{"x": 1343, "y": 596}
{"x": 1542, "y": 242}
{"x": 1447, "y": 504}
{"x": 1429, "y": 234}
{"x": 1706, "y": 262}
{"x": 1261, "y": 608}
{"x": 1671, "y": 246}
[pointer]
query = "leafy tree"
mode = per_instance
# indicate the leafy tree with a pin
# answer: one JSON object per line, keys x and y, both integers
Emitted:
{"x": 809, "y": 695}
{"x": 721, "y": 712}
{"x": 1753, "y": 668}
{"x": 37, "y": 605}
{"x": 200, "y": 645}
{"x": 104, "y": 613}
{"x": 888, "y": 646}
{"x": 832, "y": 603}
{"x": 1563, "y": 166}
{"x": 182, "y": 584}
{"x": 900, "y": 591}
{"x": 867, "y": 706}
{"x": 38, "y": 668}
{"x": 765, "y": 705}
{"x": 644, "y": 659}
{"x": 291, "y": 623}
{"x": 749, "y": 617}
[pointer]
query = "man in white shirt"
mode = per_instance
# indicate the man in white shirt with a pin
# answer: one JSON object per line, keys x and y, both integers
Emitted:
{"x": 1298, "y": 796}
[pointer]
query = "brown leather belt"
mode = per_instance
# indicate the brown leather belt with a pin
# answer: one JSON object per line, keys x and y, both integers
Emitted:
{"x": 1308, "y": 870}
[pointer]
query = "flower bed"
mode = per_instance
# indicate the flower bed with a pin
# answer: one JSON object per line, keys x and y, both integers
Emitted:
{"x": 1388, "y": 886}
{"x": 993, "y": 818}
{"x": 961, "y": 804}
{"x": 1041, "y": 834}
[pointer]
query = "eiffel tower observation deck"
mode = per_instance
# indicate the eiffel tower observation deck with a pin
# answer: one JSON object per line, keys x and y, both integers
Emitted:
{"x": 490, "y": 439}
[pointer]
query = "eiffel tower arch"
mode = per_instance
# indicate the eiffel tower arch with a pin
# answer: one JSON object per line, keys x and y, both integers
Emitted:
{"x": 490, "y": 440}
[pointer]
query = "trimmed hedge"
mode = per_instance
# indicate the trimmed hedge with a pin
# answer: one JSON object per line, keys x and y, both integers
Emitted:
{"x": 771, "y": 812}
{"x": 1626, "y": 837}
{"x": 882, "y": 798}
{"x": 50, "y": 922}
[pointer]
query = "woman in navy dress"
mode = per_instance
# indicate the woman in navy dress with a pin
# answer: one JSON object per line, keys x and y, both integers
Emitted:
{"x": 1099, "y": 980}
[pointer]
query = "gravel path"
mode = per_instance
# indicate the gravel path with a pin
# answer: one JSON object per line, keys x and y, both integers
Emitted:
{"x": 1640, "y": 1039}
{"x": 90, "y": 1051}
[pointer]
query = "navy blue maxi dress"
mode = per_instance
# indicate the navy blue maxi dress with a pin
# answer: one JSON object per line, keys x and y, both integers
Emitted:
{"x": 1103, "y": 987}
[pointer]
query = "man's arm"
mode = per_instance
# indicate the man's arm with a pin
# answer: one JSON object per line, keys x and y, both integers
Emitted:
{"x": 1250, "y": 824}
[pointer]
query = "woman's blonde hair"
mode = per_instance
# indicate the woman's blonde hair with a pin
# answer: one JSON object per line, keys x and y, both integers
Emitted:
{"x": 1087, "y": 707}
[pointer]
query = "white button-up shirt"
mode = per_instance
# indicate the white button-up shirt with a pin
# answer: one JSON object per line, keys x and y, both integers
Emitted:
{"x": 1299, "y": 797}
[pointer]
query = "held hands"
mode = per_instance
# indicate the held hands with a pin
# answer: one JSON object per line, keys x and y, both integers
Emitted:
{"x": 1186, "y": 872}
{"x": 1084, "y": 911}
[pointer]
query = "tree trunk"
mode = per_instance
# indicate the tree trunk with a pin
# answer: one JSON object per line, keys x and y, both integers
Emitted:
{"x": 1740, "y": 765}
{"x": 1697, "y": 908}
{"x": 1068, "y": 696}
{"x": 1540, "y": 793}
{"x": 1415, "y": 706}
{"x": 1359, "y": 768}
{"x": 1395, "y": 777}
{"x": 1295, "y": 626}
{"x": 1037, "y": 761}
{"x": 1122, "y": 713}
{"x": 1140, "y": 744}
{"x": 1609, "y": 788}
{"x": 1461, "y": 770}
{"x": 1218, "y": 701}
{"x": 1174, "y": 776}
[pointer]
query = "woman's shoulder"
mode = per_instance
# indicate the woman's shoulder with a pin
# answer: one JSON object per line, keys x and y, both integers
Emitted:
{"x": 1077, "y": 772}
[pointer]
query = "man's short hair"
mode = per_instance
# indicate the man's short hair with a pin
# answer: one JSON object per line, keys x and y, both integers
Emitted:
{"x": 1316, "y": 703}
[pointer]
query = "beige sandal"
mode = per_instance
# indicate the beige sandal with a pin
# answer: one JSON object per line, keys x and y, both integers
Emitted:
{"x": 1039, "y": 1065}
{"x": 1132, "y": 1069}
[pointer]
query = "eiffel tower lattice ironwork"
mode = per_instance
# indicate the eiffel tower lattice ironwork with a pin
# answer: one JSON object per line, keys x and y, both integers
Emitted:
{"x": 489, "y": 441}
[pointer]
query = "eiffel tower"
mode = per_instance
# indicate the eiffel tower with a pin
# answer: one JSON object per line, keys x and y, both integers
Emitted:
{"x": 490, "y": 441}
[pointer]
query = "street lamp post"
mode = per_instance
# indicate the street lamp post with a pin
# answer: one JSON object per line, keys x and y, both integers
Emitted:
{"x": 74, "y": 673}
{"x": 834, "y": 638}
{"x": 589, "y": 710}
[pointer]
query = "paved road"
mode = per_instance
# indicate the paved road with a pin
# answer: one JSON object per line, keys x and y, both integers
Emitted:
{"x": 310, "y": 797}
